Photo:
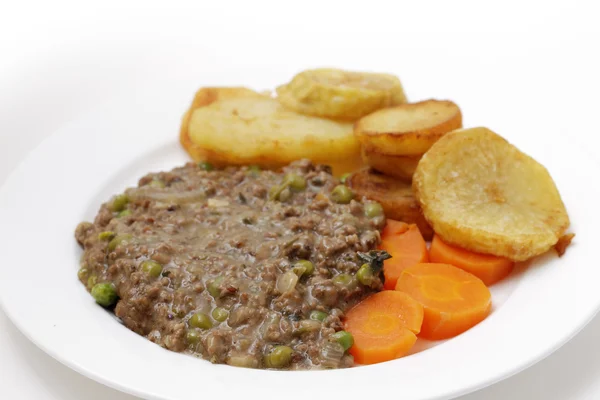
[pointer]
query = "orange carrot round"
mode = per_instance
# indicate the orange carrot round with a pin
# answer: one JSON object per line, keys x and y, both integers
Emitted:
{"x": 384, "y": 326}
{"x": 453, "y": 300}
{"x": 490, "y": 269}
{"x": 407, "y": 247}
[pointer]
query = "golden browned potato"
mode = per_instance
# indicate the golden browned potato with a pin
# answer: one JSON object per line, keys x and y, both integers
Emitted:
{"x": 481, "y": 193}
{"x": 563, "y": 242}
{"x": 338, "y": 94}
{"x": 408, "y": 129}
{"x": 395, "y": 196}
{"x": 202, "y": 98}
{"x": 401, "y": 167}
{"x": 259, "y": 130}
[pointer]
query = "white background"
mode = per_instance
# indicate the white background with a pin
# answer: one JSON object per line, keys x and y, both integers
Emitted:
{"x": 84, "y": 45}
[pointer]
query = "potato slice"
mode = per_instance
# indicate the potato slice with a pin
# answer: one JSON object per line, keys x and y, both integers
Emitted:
{"x": 408, "y": 129}
{"x": 259, "y": 130}
{"x": 395, "y": 196}
{"x": 338, "y": 94}
{"x": 563, "y": 242}
{"x": 202, "y": 98}
{"x": 401, "y": 167}
{"x": 481, "y": 193}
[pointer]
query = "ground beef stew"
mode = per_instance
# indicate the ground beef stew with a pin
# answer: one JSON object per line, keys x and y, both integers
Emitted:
{"x": 240, "y": 266}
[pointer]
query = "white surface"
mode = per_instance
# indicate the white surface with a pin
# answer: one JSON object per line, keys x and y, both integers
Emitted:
{"x": 538, "y": 50}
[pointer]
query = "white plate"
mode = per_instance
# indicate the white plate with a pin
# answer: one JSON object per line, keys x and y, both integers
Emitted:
{"x": 65, "y": 179}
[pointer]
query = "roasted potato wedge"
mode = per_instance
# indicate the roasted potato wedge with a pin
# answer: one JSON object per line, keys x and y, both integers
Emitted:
{"x": 401, "y": 167}
{"x": 338, "y": 94}
{"x": 259, "y": 130}
{"x": 408, "y": 129}
{"x": 202, "y": 98}
{"x": 395, "y": 196}
{"x": 481, "y": 193}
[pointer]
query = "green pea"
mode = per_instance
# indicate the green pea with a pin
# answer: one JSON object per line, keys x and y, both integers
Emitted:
{"x": 341, "y": 194}
{"x": 317, "y": 315}
{"x": 275, "y": 191}
{"x": 206, "y": 166}
{"x": 298, "y": 270}
{"x": 152, "y": 268}
{"x": 108, "y": 235}
{"x": 157, "y": 183}
{"x": 295, "y": 181}
{"x": 373, "y": 210}
{"x": 343, "y": 279}
{"x": 307, "y": 325}
{"x": 254, "y": 170}
{"x": 92, "y": 281}
{"x": 246, "y": 361}
{"x": 200, "y": 320}
{"x": 365, "y": 275}
{"x": 303, "y": 267}
{"x": 344, "y": 338}
{"x": 285, "y": 195}
{"x": 192, "y": 336}
{"x": 118, "y": 203}
{"x": 82, "y": 274}
{"x": 119, "y": 240}
{"x": 105, "y": 294}
{"x": 214, "y": 287}
{"x": 220, "y": 314}
{"x": 124, "y": 213}
{"x": 345, "y": 177}
{"x": 279, "y": 357}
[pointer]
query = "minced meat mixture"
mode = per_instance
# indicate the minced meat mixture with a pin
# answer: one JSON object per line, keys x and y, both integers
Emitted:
{"x": 240, "y": 266}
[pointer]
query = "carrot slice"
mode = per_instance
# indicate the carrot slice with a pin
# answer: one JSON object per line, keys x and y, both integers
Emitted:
{"x": 453, "y": 300}
{"x": 384, "y": 326}
{"x": 406, "y": 246}
{"x": 490, "y": 269}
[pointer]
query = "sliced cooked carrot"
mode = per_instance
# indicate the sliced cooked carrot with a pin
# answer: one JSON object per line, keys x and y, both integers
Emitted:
{"x": 384, "y": 326}
{"x": 453, "y": 300}
{"x": 393, "y": 227}
{"x": 366, "y": 351}
{"x": 490, "y": 269}
{"x": 406, "y": 246}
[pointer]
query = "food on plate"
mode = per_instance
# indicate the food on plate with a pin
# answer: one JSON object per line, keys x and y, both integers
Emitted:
{"x": 237, "y": 265}
{"x": 406, "y": 246}
{"x": 481, "y": 193}
{"x": 407, "y": 129}
{"x": 202, "y": 98}
{"x": 384, "y": 326}
{"x": 259, "y": 130}
{"x": 338, "y": 94}
{"x": 401, "y": 167}
{"x": 490, "y": 269}
{"x": 453, "y": 300}
{"x": 395, "y": 196}
{"x": 257, "y": 256}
